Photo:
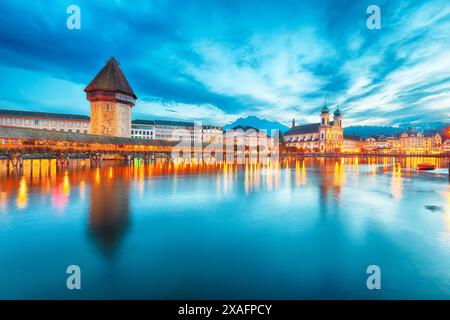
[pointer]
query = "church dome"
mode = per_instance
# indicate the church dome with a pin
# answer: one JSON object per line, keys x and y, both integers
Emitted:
{"x": 337, "y": 113}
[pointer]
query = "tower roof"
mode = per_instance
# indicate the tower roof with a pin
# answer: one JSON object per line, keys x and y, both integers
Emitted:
{"x": 111, "y": 79}
{"x": 325, "y": 108}
{"x": 337, "y": 113}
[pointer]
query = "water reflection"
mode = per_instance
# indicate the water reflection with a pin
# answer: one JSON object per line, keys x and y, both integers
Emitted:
{"x": 175, "y": 215}
{"x": 109, "y": 210}
{"x": 108, "y": 187}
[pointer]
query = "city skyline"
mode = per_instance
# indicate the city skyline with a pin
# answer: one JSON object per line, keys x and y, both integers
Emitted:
{"x": 272, "y": 61}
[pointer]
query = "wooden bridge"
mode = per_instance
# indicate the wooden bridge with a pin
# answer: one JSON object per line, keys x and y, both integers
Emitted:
{"x": 19, "y": 143}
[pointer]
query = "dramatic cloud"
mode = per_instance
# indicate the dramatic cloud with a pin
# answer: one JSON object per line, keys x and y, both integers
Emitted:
{"x": 218, "y": 60}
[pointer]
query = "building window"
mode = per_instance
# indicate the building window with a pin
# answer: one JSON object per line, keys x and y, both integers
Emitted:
{"x": 36, "y": 122}
{"x": 85, "y": 131}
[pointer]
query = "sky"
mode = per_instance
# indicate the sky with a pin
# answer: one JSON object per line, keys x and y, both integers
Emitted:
{"x": 218, "y": 60}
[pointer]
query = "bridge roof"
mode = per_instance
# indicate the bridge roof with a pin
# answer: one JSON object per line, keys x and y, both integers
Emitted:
{"x": 39, "y": 134}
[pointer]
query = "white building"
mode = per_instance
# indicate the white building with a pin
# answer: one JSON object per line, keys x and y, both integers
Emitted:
{"x": 45, "y": 120}
{"x": 175, "y": 131}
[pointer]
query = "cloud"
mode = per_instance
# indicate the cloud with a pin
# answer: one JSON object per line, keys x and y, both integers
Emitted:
{"x": 219, "y": 60}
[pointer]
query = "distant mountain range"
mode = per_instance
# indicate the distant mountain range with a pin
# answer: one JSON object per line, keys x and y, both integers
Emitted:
{"x": 364, "y": 131}
{"x": 258, "y": 123}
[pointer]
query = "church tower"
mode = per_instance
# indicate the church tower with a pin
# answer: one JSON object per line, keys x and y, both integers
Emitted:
{"x": 324, "y": 128}
{"x": 337, "y": 117}
{"x": 111, "y": 100}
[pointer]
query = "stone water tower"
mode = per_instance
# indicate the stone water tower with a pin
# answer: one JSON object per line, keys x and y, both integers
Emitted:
{"x": 111, "y": 100}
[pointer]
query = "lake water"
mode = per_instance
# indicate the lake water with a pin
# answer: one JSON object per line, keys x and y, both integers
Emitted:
{"x": 291, "y": 230}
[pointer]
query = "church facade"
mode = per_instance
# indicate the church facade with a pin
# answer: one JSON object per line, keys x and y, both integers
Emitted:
{"x": 325, "y": 136}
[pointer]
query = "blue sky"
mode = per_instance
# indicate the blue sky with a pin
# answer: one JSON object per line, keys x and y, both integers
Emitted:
{"x": 219, "y": 60}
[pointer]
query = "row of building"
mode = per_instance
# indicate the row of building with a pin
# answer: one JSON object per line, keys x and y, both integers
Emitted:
{"x": 140, "y": 129}
{"x": 328, "y": 136}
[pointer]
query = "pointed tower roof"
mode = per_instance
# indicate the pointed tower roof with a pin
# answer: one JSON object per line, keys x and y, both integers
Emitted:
{"x": 325, "y": 108}
{"x": 337, "y": 113}
{"x": 110, "y": 79}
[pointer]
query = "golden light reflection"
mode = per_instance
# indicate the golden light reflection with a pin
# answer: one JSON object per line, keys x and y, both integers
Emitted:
{"x": 396, "y": 183}
{"x": 3, "y": 201}
{"x": 49, "y": 178}
{"x": 66, "y": 184}
{"x": 447, "y": 209}
{"x": 22, "y": 195}
{"x": 82, "y": 189}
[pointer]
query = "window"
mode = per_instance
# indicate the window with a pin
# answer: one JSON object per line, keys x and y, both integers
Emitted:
{"x": 85, "y": 131}
{"x": 36, "y": 122}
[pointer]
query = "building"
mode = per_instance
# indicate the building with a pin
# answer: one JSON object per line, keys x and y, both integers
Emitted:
{"x": 382, "y": 144}
{"x": 248, "y": 141}
{"x": 324, "y": 137}
{"x": 111, "y": 99}
{"x": 143, "y": 129}
{"x": 352, "y": 143}
{"x": 247, "y": 136}
{"x": 412, "y": 142}
{"x": 176, "y": 131}
{"x": 45, "y": 120}
{"x": 447, "y": 146}
{"x": 408, "y": 143}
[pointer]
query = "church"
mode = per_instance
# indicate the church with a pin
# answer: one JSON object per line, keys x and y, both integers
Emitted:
{"x": 325, "y": 136}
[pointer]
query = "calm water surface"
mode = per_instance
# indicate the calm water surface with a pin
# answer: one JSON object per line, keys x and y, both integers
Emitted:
{"x": 294, "y": 229}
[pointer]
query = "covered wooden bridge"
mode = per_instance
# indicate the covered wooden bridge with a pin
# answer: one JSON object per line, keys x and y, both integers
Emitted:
{"x": 18, "y": 143}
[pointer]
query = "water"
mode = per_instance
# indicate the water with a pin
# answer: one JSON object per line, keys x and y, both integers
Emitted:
{"x": 293, "y": 230}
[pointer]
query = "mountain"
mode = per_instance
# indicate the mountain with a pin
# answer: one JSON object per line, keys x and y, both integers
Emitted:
{"x": 366, "y": 131}
{"x": 258, "y": 123}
